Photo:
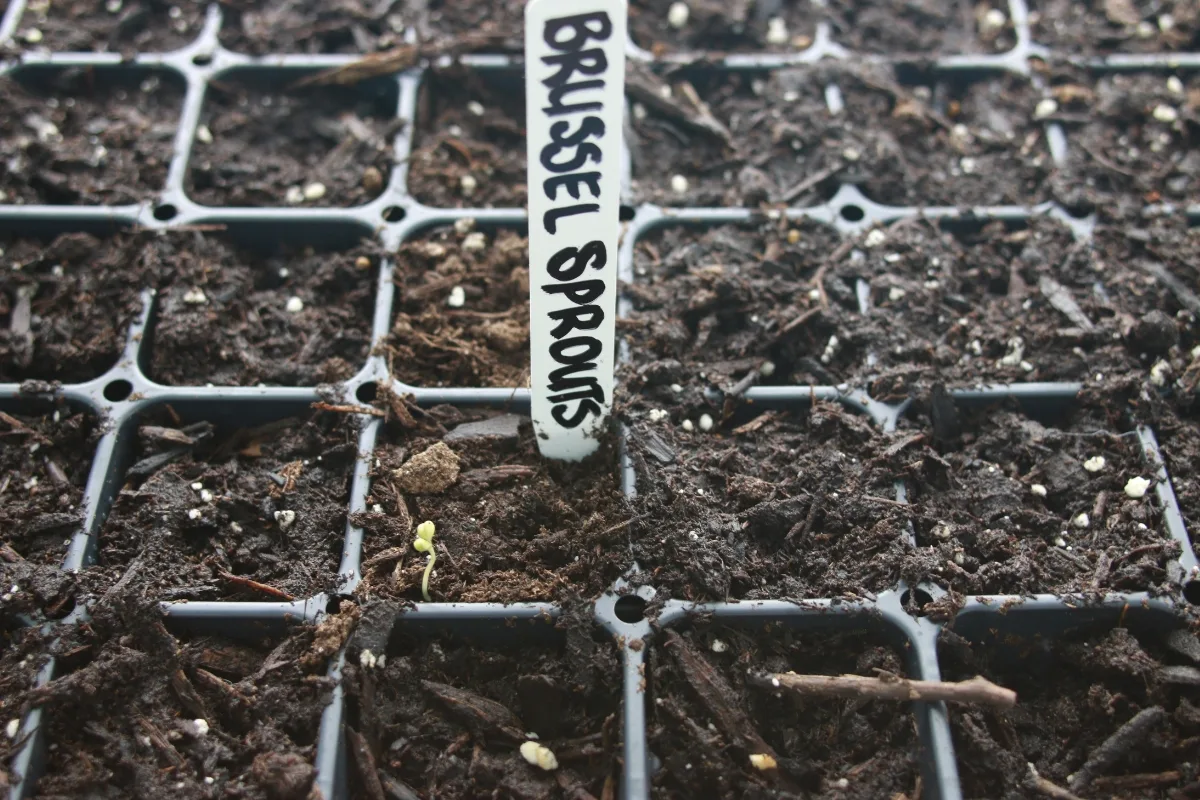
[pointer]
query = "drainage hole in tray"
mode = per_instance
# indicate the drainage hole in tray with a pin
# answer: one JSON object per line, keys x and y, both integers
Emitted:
{"x": 852, "y": 213}
{"x": 921, "y": 597}
{"x": 165, "y": 212}
{"x": 630, "y": 608}
{"x": 118, "y": 390}
{"x": 393, "y": 214}
{"x": 367, "y": 392}
{"x": 1191, "y": 592}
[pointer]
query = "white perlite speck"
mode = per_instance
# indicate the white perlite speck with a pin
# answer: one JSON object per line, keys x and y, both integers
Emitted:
{"x": 467, "y": 185}
{"x": 286, "y": 519}
{"x": 195, "y": 513}
{"x": 688, "y": 425}
{"x": 33, "y": 36}
{"x": 206, "y": 496}
{"x": 204, "y": 135}
{"x": 830, "y": 349}
{"x": 201, "y": 726}
{"x": 777, "y": 32}
{"x": 1136, "y": 487}
{"x": 875, "y": 238}
{"x": 1165, "y": 113}
{"x": 457, "y": 298}
{"x": 1159, "y": 373}
{"x": 1174, "y": 85}
{"x": 1038, "y": 490}
{"x": 294, "y": 196}
{"x": 993, "y": 21}
{"x": 1094, "y": 464}
{"x": 367, "y": 660}
{"x": 718, "y": 646}
{"x": 294, "y": 305}
{"x": 314, "y": 191}
{"x": 474, "y": 242}
{"x": 11, "y": 729}
{"x": 197, "y": 486}
{"x": 464, "y": 226}
{"x": 677, "y": 15}
{"x": 195, "y": 297}
{"x": 658, "y": 415}
{"x": 706, "y": 422}
{"x": 767, "y": 369}
{"x": 476, "y": 108}
{"x": 1046, "y": 107}
{"x": 679, "y": 184}
{"x": 539, "y": 756}
{"x": 1015, "y": 354}
{"x": 1082, "y": 521}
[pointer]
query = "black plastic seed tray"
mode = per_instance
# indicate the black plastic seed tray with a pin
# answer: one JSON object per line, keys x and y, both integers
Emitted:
{"x": 122, "y": 395}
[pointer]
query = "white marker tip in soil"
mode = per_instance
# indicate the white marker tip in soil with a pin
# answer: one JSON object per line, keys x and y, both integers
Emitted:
{"x": 1094, "y": 464}
{"x": 575, "y": 101}
{"x": 539, "y": 756}
{"x": 1137, "y": 487}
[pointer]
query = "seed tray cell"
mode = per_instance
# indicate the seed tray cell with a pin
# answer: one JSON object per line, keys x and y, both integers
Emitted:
{"x": 122, "y": 26}
{"x": 908, "y": 603}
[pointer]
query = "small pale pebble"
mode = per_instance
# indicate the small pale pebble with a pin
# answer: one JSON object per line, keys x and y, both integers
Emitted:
{"x": 777, "y": 32}
{"x": 1174, "y": 85}
{"x": 814, "y": 294}
{"x": 464, "y": 226}
{"x": 206, "y": 496}
{"x": 1165, "y": 113}
{"x": 688, "y": 425}
{"x": 294, "y": 305}
{"x": 875, "y": 238}
{"x": 1094, "y": 464}
{"x": 1136, "y": 487}
{"x": 201, "y": 726}
{"x": 1060, "y": 541}
{"x": 195, "y": 513}
{"x": 475, "y": 107}
{"x": 235, "y": 527}
{"x": 195, "y": 297}
{"x": 474, "y": 242}
{"x": 1038, "y": 490}
{"x": 718, "y": 646}
{"x": 766, "y": 369}
{"x": 286, "y": 519}
{"x": 896, "y": 293}
{"x": 679, "y": 184}
{"x": 314, "y": 191}
{"x": 204, "y": 135}
{"x": 1082, "y": 521}
{"x": 706, "y": 422}
{"x": 841, "y": 783}
{"x": 11, "y": 729}
{"x": 1046, "y": 107}
{"x": 457, "y": 298}
{"x": 677, "y": 15}
{"x": 467, "y": 185}
{"x": 197, "y": 486}
{"x": 851, "y": 154}
{"x": 208, "y": 780}
{"x": 33, "y": 36}
{"x": 294, "y": 196}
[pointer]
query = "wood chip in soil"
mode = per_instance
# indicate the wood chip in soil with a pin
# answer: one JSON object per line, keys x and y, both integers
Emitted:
{"x": 1072, "y": 694}
{"x": 270, "y": 509}
{"x": 469, "y": 149}
{"x": 66, "y": 304}
{"x": 76, "y": 138}
{"x": 317, "y": 147}
{"x": 823, "y": 748}
{"x": 484, "y": 342}
{"x": 229, "y": 316}
{"x": 511, "y": 527}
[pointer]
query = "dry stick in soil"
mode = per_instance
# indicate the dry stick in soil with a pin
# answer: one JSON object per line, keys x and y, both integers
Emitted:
{"x": 1048, "y": 788}
{"x": 1117, "y": 745}
{"x": 977, "y": 691}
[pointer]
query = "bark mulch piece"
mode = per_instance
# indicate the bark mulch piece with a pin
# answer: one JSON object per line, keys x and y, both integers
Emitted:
{"x": 86, "y": 138}
{"x": 124, "y": 26}
{"x": 275, "y": 146}
{"x": 1115, "y": 26}
{"x": 485, "y": 342}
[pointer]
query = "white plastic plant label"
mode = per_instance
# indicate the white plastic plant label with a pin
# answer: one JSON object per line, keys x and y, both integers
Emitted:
{"x": 574, "y": 95}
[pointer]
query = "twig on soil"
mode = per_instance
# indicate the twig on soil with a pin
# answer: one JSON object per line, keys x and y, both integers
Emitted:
{"x": 1061, "y": 299}
{"x": 481, "y": 715}
{"x": 800, "y": 187}
{"x": 645, "y": 87}
{"x": 397, "y": 59}
{"x": 1186, "y": 297}
{"x": 1114, "y": 747}
{"x": 977, "y": 691}
{"x": 348, "y": 409}
{"x": 396, "y": 788}
{"x": 160, "y": 742}
{"x": 1144, "y": 780}
{"x": 797, "y": 321}
{"x": 876, "y": 499}
{"x": 9, "y": 555}
{"x": 364, "y": 760}
{"x": 1048, "y": 788}
{"x": 247, "y": 583}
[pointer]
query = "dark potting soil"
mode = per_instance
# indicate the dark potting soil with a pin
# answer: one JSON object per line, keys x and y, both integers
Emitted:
{"x": 279, "y": 145}
{"x": 66, "y": 305}
{"x": 1129, "y": 142}
{"x": 124, "y": 26}
{"x": 1072, "y": 694}
{"x": 1115, "y": 26}
{"x": 270, "y": 509}
{"x": 452, "y": 713}
{"x": 137, "y": 712}
{"x": 1015, "y": 506}
{"x": 469, "y": 148}
{"x": 511, "y": 526}
{"x": 84, "y": 138}
{"x": 225, "y": 318}
{"x": 718, "y": 27}
{"x": 485, "y": 342}
{"x": 765, "y": 505}
{"x": 950, "y": 144}
{"x": 824, "y": 748}
{"x": 44, "y": 461}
